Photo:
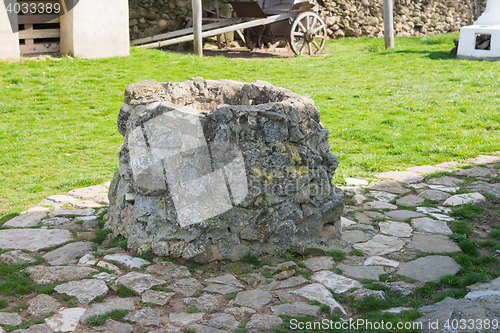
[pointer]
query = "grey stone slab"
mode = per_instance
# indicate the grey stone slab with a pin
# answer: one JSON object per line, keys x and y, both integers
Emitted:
{"x": 241, "y": 311}
{"x": 430, "y": 268}
{"x": 16, "y": 257}
{"x": 109, "y": 305}
{"x": 318, "y": 292}
{"x": 32, "y": 239}
{"x": 12, "y": 319}
{"x": 168, "y": 270}
{"x": 223, "y": 321}
{"x": 156, "y": 297}
{"x": 362, "y": 272}
{"x": 205, "y": 303}
{"x": 374, "y": 215}
{"x": 346, "y": 222}
{"x": 29, "y": 218}
{"x": 297, "y": 309}
{"x": 263, "y": 322}
{"x": 402, "y": 215}
{"x": 398, "y": 229}
{"x": 337, "y": 283}
{"x": 474, "y": 295}
{"x": 220, "y": 289}
{"x": 126, "y": 260}
{"x": 72, "y": 212}
{"x": 460, "y": 310}
{"x": 434, "y": 195}
{"x": 187, "y": 287}
{"x": 442, "y": 217}
{"x": 186, "y": 318}
{"x": 85, "y": 290}
{"x": 466, "y": 198}
{"x": 380, "y": 205}
{"x": 146, "y": 316}
{"x": 360, "y": 294}
{"x": 43, "y": 305}
{"x": 253, "y": 279}
{"x": 294, "y": 281}
{"x": 480, "y": 286}
{"x": 284, "y": 275}
{"x": 427, "y": 210}
{"x": 227, "y": 279}
{"x": 445, "y": 181}
{"x": 66, "y": 320}
{"x": 380, "y": 261}
{"x": 407, "y": 177}
{"x": 383, "y": 196}
{"x": 409, "y": 201}
{"x": 319, "y": 263}
{"x": 169, "y": 328}
{"x": 115, "y": 327}
{"x": 432, "y": 243}
{"x": 390, "y": 186}
{"x": 476, "y": 172}
{"x": 443, "y": 188}
{"x": 204, "y": 329}
{"x": 380, "y": 245}
{"x": 139, "y": 282}
{"x": 285, "y": 296}
{"x": 428, "y": 225}
{"x": 485, "y": 188}
{"x": 88, "y": 192}
{"x": 68, "y": 253}
{"x": 50, "y": 275}
{"x": 40, "y": 328}
{"x": 254, "y": 299}
{"x": 485, "y": 159}
{"x": 58, "y": 222}
{"x": 362, "y": 218}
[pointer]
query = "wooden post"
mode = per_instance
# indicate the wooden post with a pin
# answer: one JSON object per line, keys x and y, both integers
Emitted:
{"x": 197, "y": 17}
{"x": 388, "y": 24}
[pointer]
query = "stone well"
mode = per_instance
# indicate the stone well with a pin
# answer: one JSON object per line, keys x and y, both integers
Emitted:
{"x": 220, "y": 169}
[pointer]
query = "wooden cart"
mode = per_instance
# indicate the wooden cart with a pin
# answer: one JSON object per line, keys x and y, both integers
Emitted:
{"x": 263, "y": 21}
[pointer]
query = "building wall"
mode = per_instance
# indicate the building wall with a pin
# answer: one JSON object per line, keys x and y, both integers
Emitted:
{"x": 350, "y": 18}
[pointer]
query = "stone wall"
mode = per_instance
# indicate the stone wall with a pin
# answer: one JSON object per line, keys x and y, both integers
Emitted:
{"x": 350, "y": 18}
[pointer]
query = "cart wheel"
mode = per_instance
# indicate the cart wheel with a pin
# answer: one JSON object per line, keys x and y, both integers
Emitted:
{"x": 308, "y": 34}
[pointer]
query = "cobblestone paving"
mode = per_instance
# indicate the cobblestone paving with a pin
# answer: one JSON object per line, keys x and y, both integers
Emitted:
{"x": 400, "y": 223}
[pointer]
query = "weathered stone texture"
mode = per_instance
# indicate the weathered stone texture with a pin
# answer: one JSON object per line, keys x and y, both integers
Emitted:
{"x": 268, "y": 135}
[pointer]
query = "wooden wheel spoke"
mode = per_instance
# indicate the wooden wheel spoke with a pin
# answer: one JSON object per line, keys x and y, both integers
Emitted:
{"x": 302, "y": 26}
{"x": 314, "y": 22}
{"x": 310, "y": 48}
{"x": 301, "y": 41}
{"x": 318, "y": 29}
{"x": 301, "y": 34}
{"x": 315, "y": 45}
{"x": 303, "y": 47}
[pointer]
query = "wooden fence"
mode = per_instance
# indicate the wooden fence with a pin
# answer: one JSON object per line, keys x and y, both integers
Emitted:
{"x": 39, "y": 32}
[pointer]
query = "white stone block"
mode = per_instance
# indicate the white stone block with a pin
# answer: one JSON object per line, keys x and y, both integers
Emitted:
{"x": 9, "y": 35}
{"x": 467, "y": 45}
{"x": 95, "y": 29}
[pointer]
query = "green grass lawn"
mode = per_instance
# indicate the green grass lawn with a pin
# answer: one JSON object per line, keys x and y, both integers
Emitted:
{"x": 412, "y": 105}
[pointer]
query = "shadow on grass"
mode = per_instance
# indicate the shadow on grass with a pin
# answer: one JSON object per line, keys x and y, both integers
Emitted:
{"x": 6, "y": 218}
{"x": 433, "y": 55}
